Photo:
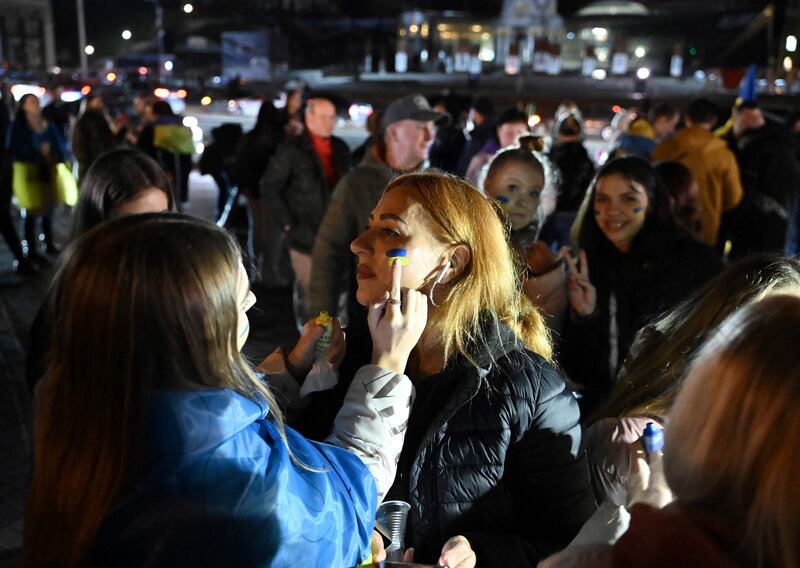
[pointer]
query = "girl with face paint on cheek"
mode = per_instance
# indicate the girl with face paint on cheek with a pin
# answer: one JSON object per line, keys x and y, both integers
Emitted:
{"x": 633, "y": 262}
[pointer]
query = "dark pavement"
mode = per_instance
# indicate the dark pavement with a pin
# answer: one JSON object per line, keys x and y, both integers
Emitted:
{"x": 271, "y": 323}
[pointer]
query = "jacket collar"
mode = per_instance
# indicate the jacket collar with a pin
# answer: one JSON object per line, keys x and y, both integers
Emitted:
{"x": 498, "y": 341}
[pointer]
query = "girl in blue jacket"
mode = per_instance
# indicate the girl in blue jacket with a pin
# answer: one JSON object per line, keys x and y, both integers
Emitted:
{"x": 158, "y": 445}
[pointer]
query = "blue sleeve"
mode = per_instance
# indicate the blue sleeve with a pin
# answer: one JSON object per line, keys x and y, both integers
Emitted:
{"x": 318, "y": 513}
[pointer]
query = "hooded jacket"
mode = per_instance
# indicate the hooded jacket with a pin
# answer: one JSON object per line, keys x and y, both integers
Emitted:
{"x": 217, "y": 485}
{"x": 714, "y": 169}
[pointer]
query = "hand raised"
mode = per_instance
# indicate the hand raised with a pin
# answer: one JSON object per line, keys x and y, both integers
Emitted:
{"x": 396, "y": 323}
{"x": 580, "y": 291}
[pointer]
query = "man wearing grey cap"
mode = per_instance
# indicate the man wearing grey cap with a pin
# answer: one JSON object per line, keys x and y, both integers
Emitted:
{"x": 408, "y": 129}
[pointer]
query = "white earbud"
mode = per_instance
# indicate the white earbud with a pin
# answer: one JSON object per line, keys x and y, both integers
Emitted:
{"x": 439, "y": 278}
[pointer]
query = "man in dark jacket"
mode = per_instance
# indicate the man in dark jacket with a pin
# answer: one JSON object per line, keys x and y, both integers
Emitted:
{"x": 297, "y": 188}
{"x": 770, "y": 175}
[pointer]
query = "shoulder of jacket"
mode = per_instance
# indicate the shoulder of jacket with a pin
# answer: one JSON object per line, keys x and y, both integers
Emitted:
{"x": 523, "y": 374}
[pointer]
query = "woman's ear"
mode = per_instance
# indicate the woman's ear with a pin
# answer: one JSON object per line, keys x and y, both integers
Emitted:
{"x": 460, "y": 256}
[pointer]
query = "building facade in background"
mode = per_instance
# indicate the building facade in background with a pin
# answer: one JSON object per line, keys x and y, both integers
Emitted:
{"x": 27, "y": 36}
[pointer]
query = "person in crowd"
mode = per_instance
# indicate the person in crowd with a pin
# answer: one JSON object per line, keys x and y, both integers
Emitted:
{"x": 121, "y": 182}
{"x": 664, "y": 119}
{"x": 266, "y": 241}
{"x": 293, "y": 109}
{"x": 157, "y": 444}
{"x": 509, "y": 126}
{"x": 373, "y": 127}
{"x": 449, "y": 141}
{"x": 634, "y": 263}
{"x": 569, "y": 154}
{"x": 142, "y": 116}
{"x": 7, "y": 229}
{"x": 491, "y": 453}
{"x": 646, "y": 131}
{"x": 770, "y": 174}
{"x": 713, "y": 165}
{"x": 637, "y": 140}
{"x": 521, "y": 180}
{"x": 35, "y": 148}
{"x": 297, "y": 187}
{"x": 218, "y": 159}
{"x": 407, "y": 128}
{"x": 60, "y": 113}
{"x": 656, "y": 367}
{"x": 92, "y": 135}
{"x": 481, "y": 119}
{"x": 735, "y": 503}
{"x": 165, "y": 139}
{"x": 683, "y": 194}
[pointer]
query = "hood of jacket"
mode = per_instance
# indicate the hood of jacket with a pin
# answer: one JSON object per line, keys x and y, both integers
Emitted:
{"x": 195, "y": 422}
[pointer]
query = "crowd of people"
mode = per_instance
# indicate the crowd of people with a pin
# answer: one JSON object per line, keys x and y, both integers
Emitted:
{"x": 507, "y": 325}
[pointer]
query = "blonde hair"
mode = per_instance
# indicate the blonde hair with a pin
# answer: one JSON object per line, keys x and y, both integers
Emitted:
{"x": 140, "y": 303}
{"x": 734, "y": 430}
{"x": 490, "y": 284}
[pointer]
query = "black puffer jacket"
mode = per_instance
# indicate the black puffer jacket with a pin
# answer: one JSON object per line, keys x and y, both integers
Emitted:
{"x": 295, "y": 189}
{"x": 494, "y": 456}
{"x": 576, "y": 170}
{"x": 662, "y": 268}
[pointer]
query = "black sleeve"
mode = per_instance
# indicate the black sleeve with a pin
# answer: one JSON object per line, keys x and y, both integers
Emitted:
{"x": 550, "y": 479}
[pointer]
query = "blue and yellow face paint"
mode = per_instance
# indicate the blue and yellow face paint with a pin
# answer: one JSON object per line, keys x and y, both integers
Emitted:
{"x": 397, "y": 254}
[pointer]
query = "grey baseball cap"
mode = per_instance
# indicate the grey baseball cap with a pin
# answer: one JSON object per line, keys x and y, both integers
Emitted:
{"x": 413, "y": 107}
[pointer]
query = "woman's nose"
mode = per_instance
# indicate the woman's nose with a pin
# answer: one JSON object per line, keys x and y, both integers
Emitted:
{"x": 360, "y": 244}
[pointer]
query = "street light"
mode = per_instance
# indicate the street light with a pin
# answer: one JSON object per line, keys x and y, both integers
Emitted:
{"x": 791, "y": 43}
{"x": 640, "y": 52}
{"x": 642, "y": 73}
{"x": 188, "y": 8}
{"x": 126, "y": 34}
{"x": 88, "y": 50}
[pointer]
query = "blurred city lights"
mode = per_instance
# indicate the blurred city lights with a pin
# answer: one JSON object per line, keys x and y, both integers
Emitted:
{"x": 640, "y": 51}
{"x": 188, "y": 8}
{"x": 791, "y": 43}
{"x": 85, "y": 90}
{"x": 600, "y": 34}
{"x": 142, "y": 70}
{"x": 599, "y": 74}
{"x": 181, "y": 93}
{"x": 88, "y": 50}
{"x": 126, "y": 34}
{"x": 616, "y": 108}
{"x": 533, "y": 120}
{"x": 205, "y": 101}
{"x": 161, "y": 92}
{"x": 168, "y": 65}
{"x": 111, "y": 77}
{"x": 787, "y": 63}
{"x": 642, "y": 73}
